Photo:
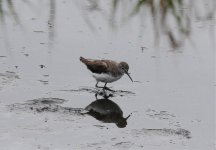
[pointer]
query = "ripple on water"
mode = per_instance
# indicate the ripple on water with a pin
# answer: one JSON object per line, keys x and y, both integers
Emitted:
{"x": 101, "y": 92}
{"x": 7, "y": 78}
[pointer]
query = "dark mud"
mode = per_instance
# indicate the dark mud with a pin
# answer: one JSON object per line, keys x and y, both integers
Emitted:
{"x": 181, "y": 133}
{"x": 44, "y": 105}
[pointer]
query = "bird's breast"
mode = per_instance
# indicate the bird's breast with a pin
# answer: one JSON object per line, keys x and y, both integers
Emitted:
{"x": 107, "y": 78}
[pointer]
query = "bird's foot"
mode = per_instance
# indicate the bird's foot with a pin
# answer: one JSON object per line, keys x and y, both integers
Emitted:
{"x": 106, "y": 88}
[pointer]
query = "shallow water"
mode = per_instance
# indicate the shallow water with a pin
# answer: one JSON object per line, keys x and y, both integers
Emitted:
{"x": 44, "y": 87}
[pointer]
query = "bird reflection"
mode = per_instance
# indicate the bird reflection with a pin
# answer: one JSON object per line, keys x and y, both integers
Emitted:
{"x": 107, "y": 111}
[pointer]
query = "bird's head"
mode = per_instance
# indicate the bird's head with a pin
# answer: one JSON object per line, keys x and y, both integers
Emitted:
{"x": 124, "y": 67}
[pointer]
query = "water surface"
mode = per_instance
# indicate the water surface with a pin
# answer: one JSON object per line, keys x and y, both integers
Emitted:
{"x": 44, "y": 86}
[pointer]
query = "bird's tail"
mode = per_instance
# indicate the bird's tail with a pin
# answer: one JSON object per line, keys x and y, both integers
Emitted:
{"x": 83, "y": 60}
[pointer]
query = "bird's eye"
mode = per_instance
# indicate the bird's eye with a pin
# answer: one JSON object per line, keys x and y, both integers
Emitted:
{"x": 124, "y": 69}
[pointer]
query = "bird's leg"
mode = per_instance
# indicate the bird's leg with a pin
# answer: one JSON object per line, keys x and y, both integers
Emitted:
{"x": 105, "y": 85}
{"x": 96, "y": 94}
{"x": 106, "y": 88}
{"x": 96, "y": 85}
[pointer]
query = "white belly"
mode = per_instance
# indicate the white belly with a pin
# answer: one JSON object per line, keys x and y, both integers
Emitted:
{"x": 105, "y": 77}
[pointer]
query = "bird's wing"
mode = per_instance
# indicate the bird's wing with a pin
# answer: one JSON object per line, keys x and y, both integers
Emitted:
{"x": 97, "y": 66}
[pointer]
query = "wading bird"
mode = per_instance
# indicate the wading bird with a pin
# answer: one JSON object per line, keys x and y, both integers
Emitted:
{"x": 106, "y": 71}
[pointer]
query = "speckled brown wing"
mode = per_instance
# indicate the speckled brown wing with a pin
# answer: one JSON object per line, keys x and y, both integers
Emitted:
{"x": 112, "y": 67}
{"x": 95, "y": 66}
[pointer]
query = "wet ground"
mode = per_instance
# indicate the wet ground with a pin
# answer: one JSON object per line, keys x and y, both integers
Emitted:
{"x": 49, "y": 100}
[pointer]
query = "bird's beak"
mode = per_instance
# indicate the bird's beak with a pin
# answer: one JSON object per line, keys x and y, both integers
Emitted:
{"x": 126, "y": 72}
{"x": 128, "y": 116}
